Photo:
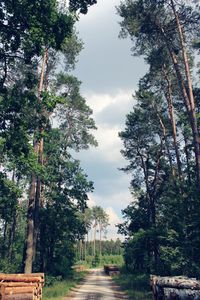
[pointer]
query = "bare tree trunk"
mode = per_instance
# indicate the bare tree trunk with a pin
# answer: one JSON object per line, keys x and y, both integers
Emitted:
{"x": 12, "y": 227}
{"x": 40, "y": 157}
{"x": 12, "y": 236}
{"x": 188, "y": 99}
{"x": 166, "y": 144}
{"x": 94, "y": 242}
{"x": 168, "y": 96}
{"x": 28, "y": 251}
{"x": 34, "y": 195}
{"x": 191, "y": 96}
{"x": 100, "y": 245}
{"x": 187, "y": 156}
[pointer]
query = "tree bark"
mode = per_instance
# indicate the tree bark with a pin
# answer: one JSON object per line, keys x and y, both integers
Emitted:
{"x": 94, "y": 242}
{"x": 40, "y": 156}
{"x": 187, "y": 156}
{"x": 100, "y": 237}
{"x": 168, "y": 96}
{"x": 191, "y": 95}
{"x": 28, "y": 251}
{"x": 34, "y": 195}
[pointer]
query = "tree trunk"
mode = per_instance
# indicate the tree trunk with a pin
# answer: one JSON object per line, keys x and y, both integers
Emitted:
{"x": 188, "y": 99}
{"x": 167, "y": 145}
{"x": 12, "y": 235}
{"x": 187, "y": 156}
{"x": 94, "y": 242}
{"x": 28, "y": 251}
{"x": 100, "y": 245}
{"x": 191, "y": 96}
{"x": 34, "y": 195}
{"x": 168, "y": 96}
{"x": 40, "y": 155}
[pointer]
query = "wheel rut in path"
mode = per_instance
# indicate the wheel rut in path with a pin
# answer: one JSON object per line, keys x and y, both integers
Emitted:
{"x": 96, "y": 286}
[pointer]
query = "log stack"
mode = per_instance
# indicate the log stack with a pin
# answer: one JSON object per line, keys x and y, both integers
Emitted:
{"x": 21, "y": 286}
{"x": 177, "y": 287}
{"x": 111, "y": 270}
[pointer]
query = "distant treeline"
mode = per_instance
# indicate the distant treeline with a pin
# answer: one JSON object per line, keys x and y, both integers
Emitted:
{"x": 108, "y": 247}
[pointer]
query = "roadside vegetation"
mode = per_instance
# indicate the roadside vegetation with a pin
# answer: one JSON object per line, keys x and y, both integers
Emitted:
{"x": 56, "y": 288}
{"x": 135, "y": 286}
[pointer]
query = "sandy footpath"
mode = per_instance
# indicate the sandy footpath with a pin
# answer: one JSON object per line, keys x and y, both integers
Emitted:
{"x": 96, "y": 286}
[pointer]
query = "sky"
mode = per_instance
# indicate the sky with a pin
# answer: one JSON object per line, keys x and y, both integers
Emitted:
{"x": 109, "y": 75}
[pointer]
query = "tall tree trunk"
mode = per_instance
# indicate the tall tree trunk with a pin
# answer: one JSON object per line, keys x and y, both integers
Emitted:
{"x": 188, "y": 99}
{"x": 94, "y": 242}
{"x": 28, "y": 251}
{"x": 100, "y": 245}
{"x": 187, "y": 156}
{"x": 40, "y": 156}
{"x": 168, "y": 96}
{"x": 12, "y": 236}
{"x": 12, "y": 227}
{"x": 34, "y": 195}
{"x": 166, "y": 144}
{"x": 193, "y": 116}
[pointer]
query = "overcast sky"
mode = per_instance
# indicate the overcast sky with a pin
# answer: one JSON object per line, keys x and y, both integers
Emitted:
{"x": 109, "y": 76}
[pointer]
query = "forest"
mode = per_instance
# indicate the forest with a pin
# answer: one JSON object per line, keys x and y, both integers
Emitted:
{"x": 43, "y": 119}
{"x": 161, "y": 139}
{"x": 45, "y": 223}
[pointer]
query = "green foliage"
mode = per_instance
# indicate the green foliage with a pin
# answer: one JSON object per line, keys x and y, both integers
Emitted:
{"x": 136, "y": 286}
{"x": 96, "y": 260}
{"x": 74, "y": 110}
{"x": 81, "y": 5}
{"x": 58, "y": 288}
{"x": 162, "y": 235}
{"x": 30, "y": 30}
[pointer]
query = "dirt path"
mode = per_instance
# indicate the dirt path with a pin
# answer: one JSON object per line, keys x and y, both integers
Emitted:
{"x": 97, "y": 286}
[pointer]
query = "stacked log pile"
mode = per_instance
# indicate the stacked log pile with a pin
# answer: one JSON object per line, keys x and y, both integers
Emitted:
{"x": 111, "y": 270}
{"x": 21, "y": 286}
{"x": 178, "y": 287}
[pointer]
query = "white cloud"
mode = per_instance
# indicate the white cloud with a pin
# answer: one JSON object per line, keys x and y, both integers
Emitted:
{"x": 113, "y": 217}
{"x": 113, "y": 221}
{"x": 98, "y": 101}
{"x": 109, "y": 143}
{"x": 109, "y": 111}
{"x": 91, "y": 201}
{"x": 115, "y": 202}
{"x": 102, "y": 163}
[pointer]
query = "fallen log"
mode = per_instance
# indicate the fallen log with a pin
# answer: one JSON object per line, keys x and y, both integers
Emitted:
{"x": 16, "y": 278}
{"x": 178, "y": 282}
{"x": 108, "y": 269}
{"x": 183, "y": 294}
{"x": 20, "y": 297}
{"x": 15, "y": 286}
{"x": 19, "y": 290}
{"x": 177, "y": 287}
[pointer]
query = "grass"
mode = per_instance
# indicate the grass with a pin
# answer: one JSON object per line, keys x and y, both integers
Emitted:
{"x": 59, "y": 289}
{"x": 135, "y": 286}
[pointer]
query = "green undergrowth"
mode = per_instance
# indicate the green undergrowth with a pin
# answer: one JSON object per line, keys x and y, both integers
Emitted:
{"x": 100, "y": 261}
{"x": 135, "y": 286}
{"x": 56, "y": 288}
